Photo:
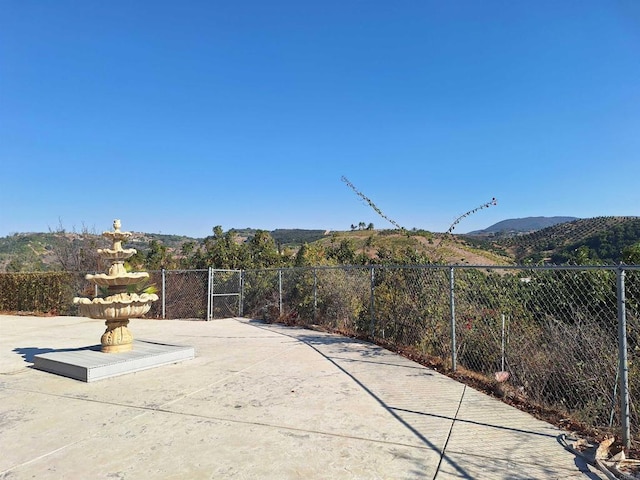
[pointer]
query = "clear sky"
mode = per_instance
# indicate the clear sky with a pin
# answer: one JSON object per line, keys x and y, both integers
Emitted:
{"x": 176, "y": 116}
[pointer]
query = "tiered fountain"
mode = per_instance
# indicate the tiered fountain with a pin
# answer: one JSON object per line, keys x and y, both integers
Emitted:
{"x": 121, "y": 302}
{"x": 119, "y": 305}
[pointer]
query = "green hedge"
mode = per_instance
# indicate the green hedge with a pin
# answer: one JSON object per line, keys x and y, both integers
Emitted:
{"x": 38, "y": 292}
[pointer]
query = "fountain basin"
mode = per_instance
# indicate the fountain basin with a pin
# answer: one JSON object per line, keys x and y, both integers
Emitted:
{"x": 116, "y": 255}
{"x": 119, "y": 279}
{"x": 117, "y": 235}
{"x": 116, "y": 307}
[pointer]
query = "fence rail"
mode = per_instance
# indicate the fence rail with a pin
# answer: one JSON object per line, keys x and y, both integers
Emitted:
{"x": 564, "y": 338}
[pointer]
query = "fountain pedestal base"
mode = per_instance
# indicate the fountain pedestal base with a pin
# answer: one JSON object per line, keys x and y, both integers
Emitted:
{"x": 89, "y": 364}
{"x": 117, "y": 337}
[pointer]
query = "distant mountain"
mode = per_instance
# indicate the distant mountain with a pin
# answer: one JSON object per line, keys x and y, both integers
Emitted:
{"x": 519, "y": 226}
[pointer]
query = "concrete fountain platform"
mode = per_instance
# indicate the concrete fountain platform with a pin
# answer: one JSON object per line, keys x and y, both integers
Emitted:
{"x": 90, "y": 364}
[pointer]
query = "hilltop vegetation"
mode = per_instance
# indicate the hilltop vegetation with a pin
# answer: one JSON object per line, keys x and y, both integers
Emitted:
{"x": 585, "y": 241}
{"x": 284, "y": 236}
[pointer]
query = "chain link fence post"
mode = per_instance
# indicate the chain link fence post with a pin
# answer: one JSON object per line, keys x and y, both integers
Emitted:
{"x": 372, "y": 276}
{"x": 623, "y": 361}
{"x": 164, "y": 296}
{"x": 209, "y": 287}
{"x": 315, "y": 295}
{"x": 452, "y": 309}
{"x": 502, "y": 344}
{"x": 280, "y": 292}
{"x": 241, "y": 292}
{"x": 240, "y": 276}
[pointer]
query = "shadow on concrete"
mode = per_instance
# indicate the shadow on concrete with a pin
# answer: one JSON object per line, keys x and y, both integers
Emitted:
{"x": 29, "y": 352}
{"x": 482, "y": 424}
{"x": 584, "y": 461}
{"x": 326, "y": 338}
{"x": 316, "y": 340}
{"x": 391, "y": 364}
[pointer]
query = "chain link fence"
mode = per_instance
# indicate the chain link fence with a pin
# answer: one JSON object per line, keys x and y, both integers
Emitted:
{"x": 183, "y": 294}
{"x": 225, "y": 293}
{"x": 548, "y": 336}
{"x": 554, "y": 332}
{"x": 196, "y": 294}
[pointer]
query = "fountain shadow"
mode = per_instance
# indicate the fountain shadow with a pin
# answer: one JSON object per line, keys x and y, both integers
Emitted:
{"x": 28, "y": 353}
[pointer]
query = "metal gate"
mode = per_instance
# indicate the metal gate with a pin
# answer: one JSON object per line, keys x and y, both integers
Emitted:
{"x": 224, "y": 294}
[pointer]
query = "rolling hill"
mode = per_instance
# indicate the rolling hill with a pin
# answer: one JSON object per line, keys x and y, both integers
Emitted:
{"x": 591, "y": 240}
{"x": 601, "y": 238}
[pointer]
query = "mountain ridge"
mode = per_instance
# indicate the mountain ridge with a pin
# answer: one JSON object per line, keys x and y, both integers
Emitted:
{"x": 517, "y": 226}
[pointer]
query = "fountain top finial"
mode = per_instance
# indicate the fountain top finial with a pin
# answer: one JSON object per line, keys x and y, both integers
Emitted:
{"x": 117, "y": 237}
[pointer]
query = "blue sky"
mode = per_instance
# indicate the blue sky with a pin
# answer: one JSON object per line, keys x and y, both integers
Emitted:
{"x": 179, "y": 116}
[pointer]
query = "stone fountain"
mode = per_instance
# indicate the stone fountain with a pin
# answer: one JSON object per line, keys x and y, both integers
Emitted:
{"x": 120, "y": 304}
{"x": 118, "y": 353}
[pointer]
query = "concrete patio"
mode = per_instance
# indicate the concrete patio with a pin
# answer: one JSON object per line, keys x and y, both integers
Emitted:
{"x": 259, "y": 401}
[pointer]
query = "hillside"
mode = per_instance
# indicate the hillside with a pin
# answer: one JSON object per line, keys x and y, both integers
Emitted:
{"x": 594, "y": 240}
{"x": 518, "y": 226}
{"x": 600, "y": 238}
{"x": 423, "y": 246}
{"x": 29, "y": 252}
{"x": 76, "y": 251}
{"x": 50, "y": 251}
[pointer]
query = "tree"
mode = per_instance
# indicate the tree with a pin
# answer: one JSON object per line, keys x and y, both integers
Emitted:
{"x": 221, "y": 250}
{"x": 344, "y": 253}
{"x": 263, "y": 252}
{"x": 158, "y": 256}
{"x": 75, "y": 252}
{"x": 631, "y": 255}
{"x": 225, "y": 250}
{"x": 310, "y": 255}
